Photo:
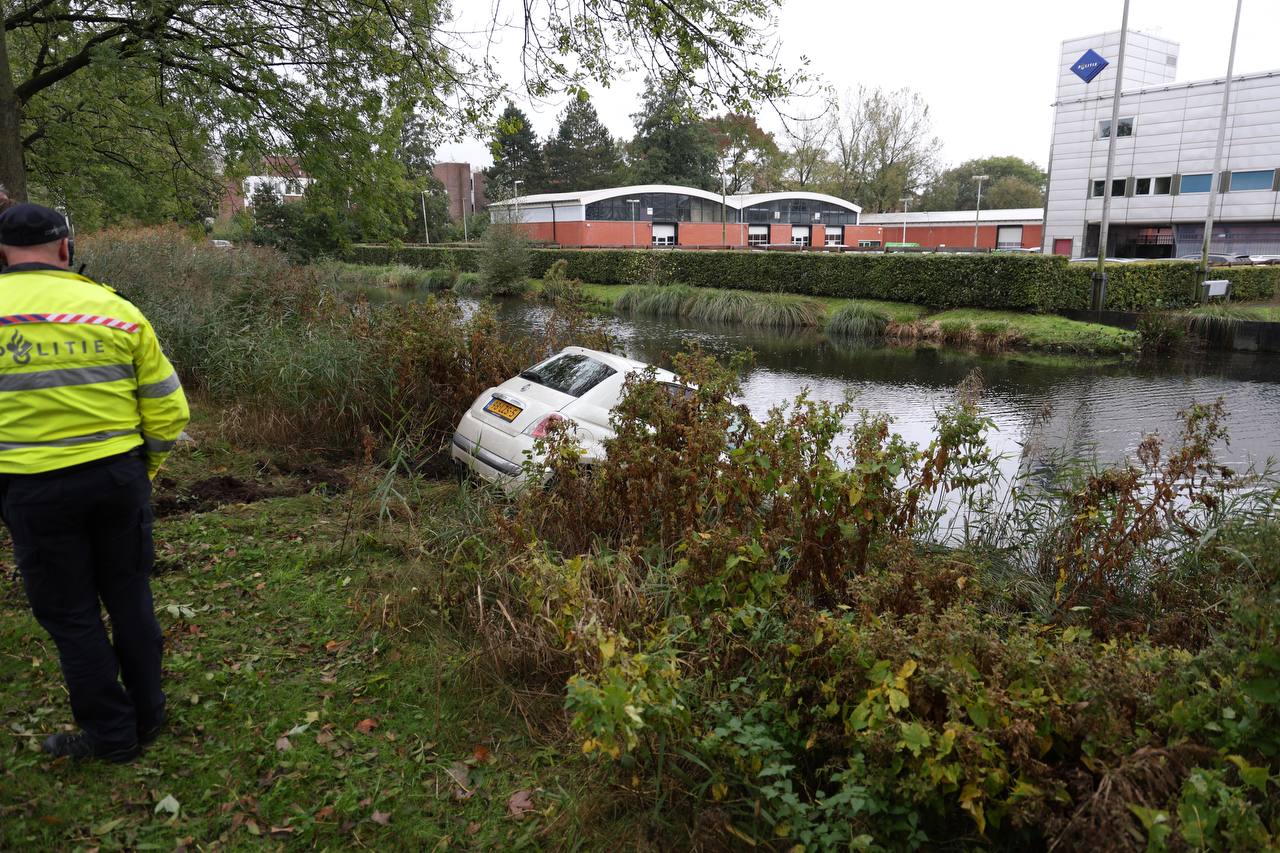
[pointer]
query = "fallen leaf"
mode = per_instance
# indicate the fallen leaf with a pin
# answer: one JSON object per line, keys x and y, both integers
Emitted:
{"x": 282, "y": 744}
{"x": 367, "y": 801}
{"x": 312, "y": 717}
{"x": 366, "y": 725}
{"x": 169, "y": 805}
{"x": 324, "y": 813}
{"x": 461, "y": 775}
{"x": 520, "y": 803}
{"x": 481, "y": 753}
{"x": 473, "y": 828}
{"x": 324, "y": 736}
{"x": 382, "y": 818}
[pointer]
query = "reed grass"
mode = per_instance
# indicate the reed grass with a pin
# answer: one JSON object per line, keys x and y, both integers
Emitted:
{"x": 763, "y": 310}
{"x": 856, "y": 320}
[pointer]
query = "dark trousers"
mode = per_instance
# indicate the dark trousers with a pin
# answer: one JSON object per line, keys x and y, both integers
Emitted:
{"x": 81, "y": 536}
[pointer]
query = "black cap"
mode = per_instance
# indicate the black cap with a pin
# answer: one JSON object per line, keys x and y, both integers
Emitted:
{"x": 29, "y": 224}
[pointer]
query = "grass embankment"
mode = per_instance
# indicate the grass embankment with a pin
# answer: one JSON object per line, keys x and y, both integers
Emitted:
{"x": 298, "y": 716}
{"x": 895, "y": 321}
{"x": 1265, "y": 312}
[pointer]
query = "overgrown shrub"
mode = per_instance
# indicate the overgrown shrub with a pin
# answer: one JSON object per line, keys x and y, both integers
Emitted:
{"x": 504, "y": 262}
{"x": 789, "y": 632}
{"x": 294, "y": 358}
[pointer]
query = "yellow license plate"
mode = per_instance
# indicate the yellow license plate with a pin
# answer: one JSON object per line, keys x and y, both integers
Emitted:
{"x": 503, "y": 409}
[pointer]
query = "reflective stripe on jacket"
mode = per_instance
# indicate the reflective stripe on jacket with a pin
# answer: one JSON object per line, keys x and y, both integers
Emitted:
{"x": 82, "y": 376}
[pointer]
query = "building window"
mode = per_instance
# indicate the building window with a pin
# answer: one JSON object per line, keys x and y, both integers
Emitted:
{"x": 1126, "y": 128}
{"x": 833, "y": 238}
{"x": 1161, "y": 186}
{"x": 1260, "y": 179}
{"x": 868, "y": 244}
{"x": 800, "y": 235}
{"x": 757, "y": 235}
{"x": 1117, "y": 187}
{"x": 1195, "y": 183}
{"x": 1142, "y": 186}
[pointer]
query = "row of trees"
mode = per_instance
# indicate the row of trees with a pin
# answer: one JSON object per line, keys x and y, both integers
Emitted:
{"x": 136, "y": 111}
{"x": 874, "y": 148}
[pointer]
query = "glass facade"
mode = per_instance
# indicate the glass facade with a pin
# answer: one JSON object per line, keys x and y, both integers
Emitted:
{"x": 798, "y": 211}
{"x": 678, "y": 207}
{"x": 666, "y": 207}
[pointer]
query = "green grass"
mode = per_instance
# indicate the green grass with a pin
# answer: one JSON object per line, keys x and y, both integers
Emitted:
{"x": 266, "y": 633}
{"x": 1037, "y": 331}
{"x": 390, "y": 275}
{"x": 1267, "y": 312}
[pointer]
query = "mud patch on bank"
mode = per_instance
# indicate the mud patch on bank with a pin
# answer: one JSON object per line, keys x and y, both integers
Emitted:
{"x": 276, "y": 480}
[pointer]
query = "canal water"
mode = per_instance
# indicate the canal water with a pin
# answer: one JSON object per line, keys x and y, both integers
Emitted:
{"x": 1044, "y": 407}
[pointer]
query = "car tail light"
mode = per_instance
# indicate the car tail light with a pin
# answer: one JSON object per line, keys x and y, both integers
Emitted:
{"x": 543, "y": 424}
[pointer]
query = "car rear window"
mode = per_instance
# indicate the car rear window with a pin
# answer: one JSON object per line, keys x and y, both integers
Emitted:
{"x": 571, "y": 374}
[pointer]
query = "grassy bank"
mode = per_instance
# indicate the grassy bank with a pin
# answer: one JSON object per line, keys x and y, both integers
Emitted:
{"x": 1265, "y": 312}
{"x": 299, "y": 716}
{"x": 868, "y": 318}
{"x": 792, "y": 630}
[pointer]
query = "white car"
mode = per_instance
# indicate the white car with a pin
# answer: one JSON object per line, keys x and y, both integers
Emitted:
{"x": 495, "y": 437}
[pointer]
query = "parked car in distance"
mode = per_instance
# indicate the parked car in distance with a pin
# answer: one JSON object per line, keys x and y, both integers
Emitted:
{"x": 1218, "y": 259}
{"x": 495, "y": 437}
{"x": 1107, "y": 260}
{"x": 1265, "y": 259}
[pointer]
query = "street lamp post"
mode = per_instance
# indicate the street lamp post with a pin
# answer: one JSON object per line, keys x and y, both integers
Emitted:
{"x": 906, "y": 202}
{"x": 425, "y": 237}
{"x": 1214, "y": 176}
{"x": 978, "y": 210}
{"x": 633, "y": 202}
{"x": 1098, "y": 298}
{"x": 516, "y": 186}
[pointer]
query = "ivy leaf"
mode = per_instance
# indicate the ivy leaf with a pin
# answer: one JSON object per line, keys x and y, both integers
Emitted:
{"x": 915, "y": 737}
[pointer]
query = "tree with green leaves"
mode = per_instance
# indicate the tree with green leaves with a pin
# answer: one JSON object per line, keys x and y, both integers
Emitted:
{"x": 581, "y": 155}
{"x": 749, "y": 157}
{"x": 1014, "y": 182}
{"x": 672, "y": 144}
{"x": 884, "y": 148}
{"x": 517, "y": 156}
{"x": 135, "y": 104}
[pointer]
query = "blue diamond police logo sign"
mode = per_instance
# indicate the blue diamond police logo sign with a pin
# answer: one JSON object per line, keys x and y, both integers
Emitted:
{"x": 1088, "y": 66}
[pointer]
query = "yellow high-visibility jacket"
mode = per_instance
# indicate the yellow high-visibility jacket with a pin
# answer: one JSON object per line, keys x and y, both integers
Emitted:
{"x": 82, "y": 376}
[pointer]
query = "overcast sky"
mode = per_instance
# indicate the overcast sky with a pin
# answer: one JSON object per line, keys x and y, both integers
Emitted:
{"x": 987, "y": 68}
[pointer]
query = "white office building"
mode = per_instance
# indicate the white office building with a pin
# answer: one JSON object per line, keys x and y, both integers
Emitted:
{"x": 1165, "y": 144}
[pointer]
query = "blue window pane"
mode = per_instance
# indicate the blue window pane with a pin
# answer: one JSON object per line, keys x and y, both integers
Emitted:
{"x": 1257, "y": 180}
{"x": 1195, "y": 183}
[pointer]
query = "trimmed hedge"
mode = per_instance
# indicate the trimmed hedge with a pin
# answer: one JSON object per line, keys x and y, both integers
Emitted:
{"x": 1019, "y": 282}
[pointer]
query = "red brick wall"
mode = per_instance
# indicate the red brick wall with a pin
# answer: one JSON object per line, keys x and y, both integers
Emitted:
{"x": 614, "y": 234}
{"x": 711, "y": 234}
{"x": 933, "y": 236}
{"x": 780, "y": 235}
{"x": 854, "y": 233}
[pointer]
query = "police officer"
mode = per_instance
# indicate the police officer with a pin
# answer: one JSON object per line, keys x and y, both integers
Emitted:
{"x": 89, "y": 408}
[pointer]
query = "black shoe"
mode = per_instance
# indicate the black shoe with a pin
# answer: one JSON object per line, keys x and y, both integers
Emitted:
{"x": 79, "y": 747}
{"x": 147, "y": 735}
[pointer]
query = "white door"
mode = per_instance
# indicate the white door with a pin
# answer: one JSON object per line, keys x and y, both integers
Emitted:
{"x": 1009, "y": 237}
{"x": 664, "y": 235}
{"x": 799, "y": 235}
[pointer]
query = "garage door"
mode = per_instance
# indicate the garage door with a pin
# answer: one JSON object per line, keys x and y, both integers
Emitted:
{"x": 664, "y": 235}
{"x": 1009, "y": 237}
{"x": 757, "y": 235}
{"x": 799, "y": 235}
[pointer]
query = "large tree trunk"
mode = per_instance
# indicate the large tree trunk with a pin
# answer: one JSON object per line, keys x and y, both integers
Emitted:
{"x": 13, "y": 170}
